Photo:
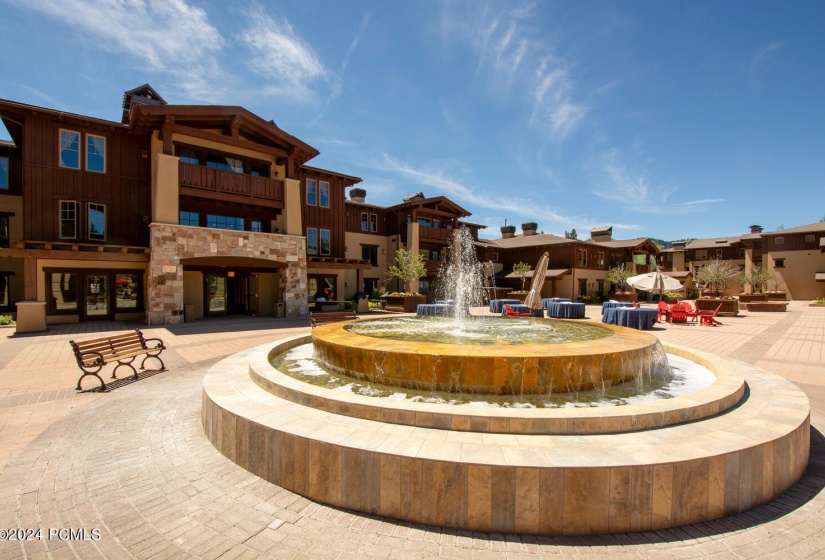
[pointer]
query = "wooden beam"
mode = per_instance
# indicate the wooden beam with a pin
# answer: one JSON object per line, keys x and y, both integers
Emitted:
{"x": 236, "y": 142}
{"x": 30, "y": 278}
{"x": 166, "y": 135}
{"x": 73, "y": 255}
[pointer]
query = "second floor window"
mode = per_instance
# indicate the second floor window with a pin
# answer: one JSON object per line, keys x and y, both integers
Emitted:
{"x": 97, "y": 222}
{"x": 70, "y": 149}
{"x": 325, "y": 242}
{"x": 373, "y": 222}
{"x": 312, "y": 192}
{"x": 255, "y": 225}
{"x": 4, "y": 173}
{"x": 188, "y": 155}
{"x": 370, "y": 253}
{"x": 779, "y": 241}
{"x": 224, "y": 163}
{"x": 68, "y": 219}
{"x": 364, "y": 221}
{"x": 224, "y": 222}
{"x": 324, "y": 198}
{"x": 189, "y": 218}
{"x": 600, "y": 260}
{"x": 582, "y": 257}
{"x": 312, "y": 241}
{"x": 95, "y": 153}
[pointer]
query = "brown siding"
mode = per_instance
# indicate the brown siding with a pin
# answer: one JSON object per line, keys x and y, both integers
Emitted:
{"x": 792, "y": 242}
{"x": 124, "y": 187}
{"x": 353, "y": 219}
{"x": 332, "y": 218}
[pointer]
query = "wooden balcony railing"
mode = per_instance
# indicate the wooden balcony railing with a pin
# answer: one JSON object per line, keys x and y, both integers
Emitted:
{"x": 433, "y": 234}
{"x": 231, "y": 183}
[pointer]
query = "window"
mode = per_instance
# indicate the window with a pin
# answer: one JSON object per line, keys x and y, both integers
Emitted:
{"x": 224, "y": 163}
{"x": 364, "y": 224}
{"x": 582, "y": 257}
{"x": 808, "y": 238}
{"x": 259, "y": 170}
{"x": 312, "y": 241}
{"x": 424, "y": 221}
{"x": 435, "y": 255}
{"x": 318, "y": 284}
{"x": 425, "y": 254}
{"x": 224, "y": 222}
{"x": 312, "y": 192}
{"x": 718, "y": 253}
{"x": 128, "y": 292}
{"x": 324, "y": 194}
{"x": 370, "y": 253}
{"x": 779, "y": 263}
{"x": 62, "y": 291}
{"x": 701, "y": 255}
{"x": 373, "y": 222}
{"x": 600, "y": 260}
{"x": 189, "y": 155}
{"x": 95, "y": 153}
{"x": 779, "y": 241}
{"x": 68, "y": 219}
{"x": 255, "y": 225}
{"x": 70, "y": 149}
{"x": 97, "y": 222}
{"x": 742, "y": 253}
{"x": 4, "y": 231}
{"x": 5, "y": 297}
{"x": 189, "y": 218}
{"x": 325, "y": 243}
{"x": 4, "y": 173}
{"x": 494, "y": 257}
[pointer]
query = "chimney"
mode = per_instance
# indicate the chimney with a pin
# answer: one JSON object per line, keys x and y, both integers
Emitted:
{"x": 529, "y": 228}
{"x": 508, "y": 231}
{"x": 601, "y": 233}
{"x": 756, "y": 229}
{"x": 357, "y": 195}
{"x": 679, "y": 245}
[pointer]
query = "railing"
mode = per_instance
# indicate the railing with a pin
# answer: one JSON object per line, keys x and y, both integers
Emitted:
{"x": 433, "y": 234}
{"x": 643, "y": 268}
{"x": 229, "y": 182}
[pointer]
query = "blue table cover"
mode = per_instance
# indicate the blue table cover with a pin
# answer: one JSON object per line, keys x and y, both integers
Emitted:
{"x": 429, "y": 309}
{"x": 614, "y": 304}
{"x": 547, "y": 301}
{"x": 565, "y": 310}
{"x": 497, "y": 305}
{"x": 517, "y": 307}
{"x": 633, "y": 317}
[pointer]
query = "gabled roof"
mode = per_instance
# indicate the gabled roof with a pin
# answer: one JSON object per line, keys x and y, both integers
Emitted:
{"x": 145, "y": 119}
{"x": 714, "y": 242}
{"x": 348, "y": 179}
{"x": 434, "y": 201}
{"x": 532, "y": 241}
{"x": 628, "y": 243}
{"x": 810, "y": 228}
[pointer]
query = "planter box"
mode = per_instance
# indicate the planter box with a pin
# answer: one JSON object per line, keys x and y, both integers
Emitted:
{"x": 745, "y": 298}
{"x": 404, "y": 304}
{"x": 768, "y": 306}
{"x": 514, "y": 295}
{"x": 777, "y": 296}
{"x": 729, "y": 306}
{"x": 623, "y": 297}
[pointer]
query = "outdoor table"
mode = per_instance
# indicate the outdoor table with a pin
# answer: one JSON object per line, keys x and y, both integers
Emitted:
{"x": 497, "y": 305}
{"x": 547, "y": 301}
{"x": 632, "y": 317}
{"x": 565, "y": 310}
{"x": 430, "y": 309}
{"x": 615, "y": 304}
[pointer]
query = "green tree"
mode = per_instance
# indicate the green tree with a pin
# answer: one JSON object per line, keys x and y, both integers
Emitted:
{"x": 521, "y": 269}
{"x": 408, "y": 266}
{"x": 618, "y": 276}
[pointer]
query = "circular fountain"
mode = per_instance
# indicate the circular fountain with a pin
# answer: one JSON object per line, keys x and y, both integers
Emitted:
{"x": 736, "y": 443}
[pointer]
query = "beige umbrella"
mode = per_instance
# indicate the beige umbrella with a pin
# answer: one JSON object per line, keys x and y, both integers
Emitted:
{"x": 533, "y": 299}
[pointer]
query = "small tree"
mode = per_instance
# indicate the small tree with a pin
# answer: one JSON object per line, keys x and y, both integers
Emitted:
{"x": 756, "y": 279}
{"x": 618, "y": 276}
{"x": 521, "y": 269}
{"x": 716, "y": 274}
{"x": 408, "y": 266}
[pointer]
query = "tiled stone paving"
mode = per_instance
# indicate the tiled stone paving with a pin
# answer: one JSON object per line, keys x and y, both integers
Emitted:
{"x": 134, "y": 463}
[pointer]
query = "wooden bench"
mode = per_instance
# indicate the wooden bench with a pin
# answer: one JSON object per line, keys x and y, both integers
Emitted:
{"x": 316, "y": 319}
{"x": 92, "y": 355}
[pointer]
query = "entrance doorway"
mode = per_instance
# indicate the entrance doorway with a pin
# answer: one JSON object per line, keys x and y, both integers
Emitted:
{"x": 231, "y": 294}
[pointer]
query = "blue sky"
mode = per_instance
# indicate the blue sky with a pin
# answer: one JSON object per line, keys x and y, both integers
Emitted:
{"x": 664, "y": 119}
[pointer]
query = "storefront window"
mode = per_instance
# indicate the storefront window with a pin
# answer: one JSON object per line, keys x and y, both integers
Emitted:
{"x": 127, "y": 291}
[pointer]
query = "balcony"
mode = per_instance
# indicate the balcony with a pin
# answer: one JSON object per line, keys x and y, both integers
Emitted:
{"x": 207, "y": 182}
{"x": 429, "y": 233}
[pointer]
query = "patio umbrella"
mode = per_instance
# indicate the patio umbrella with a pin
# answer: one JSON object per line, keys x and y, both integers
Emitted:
{"x": 653, "y": 281}
{"x": 533, "y": 299}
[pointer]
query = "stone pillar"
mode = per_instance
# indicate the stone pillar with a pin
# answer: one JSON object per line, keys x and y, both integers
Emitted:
{"x": 164, "y": 298}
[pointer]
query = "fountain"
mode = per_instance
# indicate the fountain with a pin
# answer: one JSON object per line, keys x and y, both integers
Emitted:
{"x": 738, "y": 442}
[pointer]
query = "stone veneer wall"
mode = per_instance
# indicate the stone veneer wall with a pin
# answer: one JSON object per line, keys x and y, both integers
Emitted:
{"x": 170, "y": 243}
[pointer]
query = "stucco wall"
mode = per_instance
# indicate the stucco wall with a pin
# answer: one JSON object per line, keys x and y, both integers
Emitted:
{"x": 797, "y": 277}
{"x": 171, "y": 243}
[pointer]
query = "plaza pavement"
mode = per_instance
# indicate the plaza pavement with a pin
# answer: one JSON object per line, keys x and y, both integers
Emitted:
{"x": 134, "y": 466}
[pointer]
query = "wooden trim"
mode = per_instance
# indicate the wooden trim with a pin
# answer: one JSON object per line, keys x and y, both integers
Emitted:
{"x": 228, "y": 140}
{"x": 74, "y": 255}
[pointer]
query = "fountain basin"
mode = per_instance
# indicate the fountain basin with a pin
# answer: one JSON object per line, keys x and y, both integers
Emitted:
{"x": 614, "y": 354}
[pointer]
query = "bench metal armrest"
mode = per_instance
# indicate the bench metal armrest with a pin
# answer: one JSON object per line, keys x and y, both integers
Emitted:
{"x": 159, "y": 345}
{"x": 83, "y": 357}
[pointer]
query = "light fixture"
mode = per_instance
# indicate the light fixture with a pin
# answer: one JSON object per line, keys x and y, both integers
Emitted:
{"x": 231, "y": 274}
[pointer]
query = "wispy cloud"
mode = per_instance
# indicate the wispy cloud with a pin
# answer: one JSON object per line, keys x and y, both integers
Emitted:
{"x": 168, "y": 36}
{"x": 365, "y": 21}
{"x": 505, "y": 206}
{"x": 761, "y": 62}
{"x": 516, "y": 60}
{"x": 281, "y": 56}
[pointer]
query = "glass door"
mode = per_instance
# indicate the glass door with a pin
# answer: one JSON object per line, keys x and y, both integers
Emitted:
{"x": 215, "y": 294}
{"x": 252, "y": 295}
{"x": 97, "y": 296}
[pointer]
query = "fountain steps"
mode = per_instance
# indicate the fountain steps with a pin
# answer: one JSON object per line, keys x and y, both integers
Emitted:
{"x": 512, "y": 481}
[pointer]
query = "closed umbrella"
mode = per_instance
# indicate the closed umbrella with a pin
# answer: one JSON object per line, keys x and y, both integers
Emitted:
{"x": 533, "y": 299}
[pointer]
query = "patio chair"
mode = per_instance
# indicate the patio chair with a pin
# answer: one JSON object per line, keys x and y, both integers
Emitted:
{"x": 709, "y": 318}
{"x": 635, "y": 304}
{"x": 691, "y": 312}
{"x": 510, "y": 312}
{"x": 663, "y": 311}
{"x": 678, "y": 313}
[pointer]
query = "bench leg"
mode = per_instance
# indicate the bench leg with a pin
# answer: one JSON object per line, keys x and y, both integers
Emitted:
{"x": 121, "y": 363}
{"x": 93, "y": 374}
{"x": 155, "y": 356}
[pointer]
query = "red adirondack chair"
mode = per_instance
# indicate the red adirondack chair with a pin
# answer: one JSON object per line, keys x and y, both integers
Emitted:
{"x": 708, "y": 318}
{"x": 678, "y": 313}
{"x": 663, "y": 311}
{"x": 691, "y": 312}
{"x": 510, "y": 312}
